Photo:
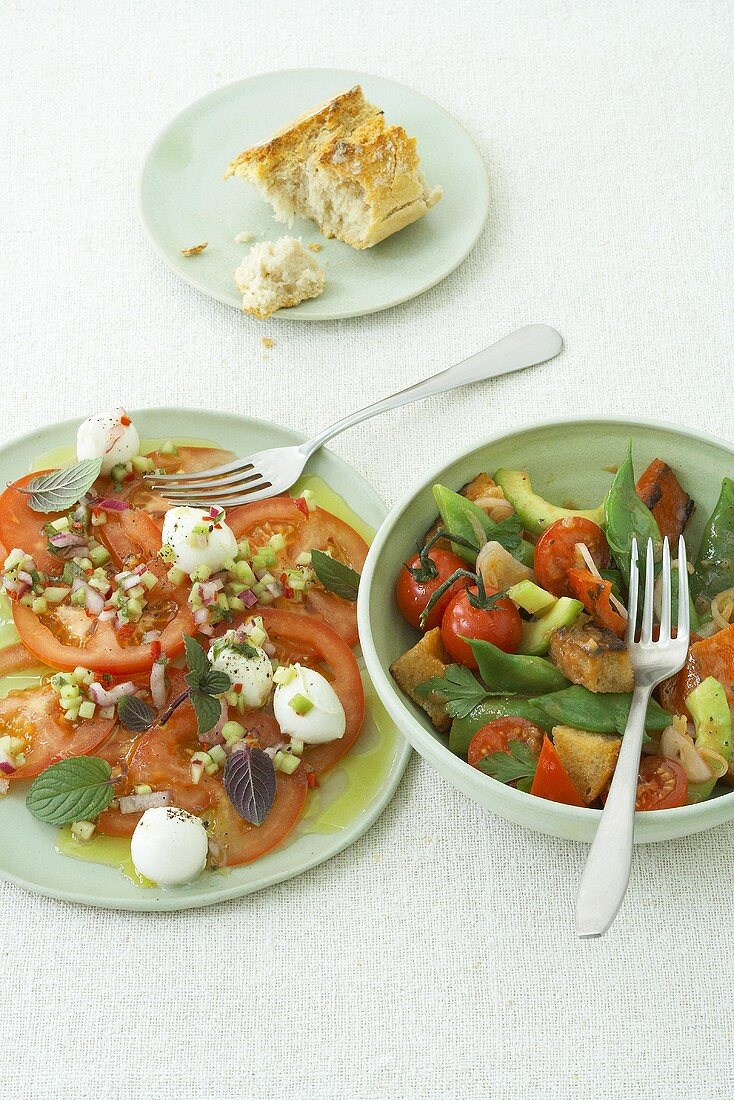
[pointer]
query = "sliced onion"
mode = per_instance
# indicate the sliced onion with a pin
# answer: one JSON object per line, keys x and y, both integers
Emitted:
{"x": 158, "y": 690}
{"x": 93, "y": 601}
{"x": 677, "y": 744}
{"x": 137, "y": 803}
{"x": 495, "y": 504}
{"x": 110, "y": 504}
{"x": 499, "y": 569}
{"x": 107, "y": 697}
{"x": 65, "y": 539}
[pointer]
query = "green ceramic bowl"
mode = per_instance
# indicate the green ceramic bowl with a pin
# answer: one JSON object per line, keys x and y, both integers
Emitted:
{"x": 567, "y": 460}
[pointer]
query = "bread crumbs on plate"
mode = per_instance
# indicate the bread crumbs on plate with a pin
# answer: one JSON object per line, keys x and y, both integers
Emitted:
{"x": 267, "y": 342}
{"x": 243, "y": 238}
{"x": 195, "y": 249}
{"x": 315, "y": 247}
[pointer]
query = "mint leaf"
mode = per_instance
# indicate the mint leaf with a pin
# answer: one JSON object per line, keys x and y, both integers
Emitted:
{"x": 335, "y": 576}
{"x": 517, "y": 764}
{"x": 135, "y": 714}
{"x": 461, "y": 690}
{"x": 197, "y": 661}
{"x": 208, "y": 710}
{"x": 249, "y": 780}
{"x": 61, "y": 489}
{"x": 214, "y": 682}
{"x": 78, "y": 789}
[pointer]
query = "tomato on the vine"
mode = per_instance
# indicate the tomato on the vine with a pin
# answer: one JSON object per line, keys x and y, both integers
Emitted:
{"x": 413, "y": 595}
{"x": 499, "y": 623}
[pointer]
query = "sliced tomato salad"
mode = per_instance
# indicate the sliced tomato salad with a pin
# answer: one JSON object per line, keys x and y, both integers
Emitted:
{"x": 34, "y": 717}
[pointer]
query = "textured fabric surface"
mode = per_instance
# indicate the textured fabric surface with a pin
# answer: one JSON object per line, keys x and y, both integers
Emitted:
{"x": 435, "y": 958}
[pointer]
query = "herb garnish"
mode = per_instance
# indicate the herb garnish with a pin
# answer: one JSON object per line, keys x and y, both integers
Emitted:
{"x": 517, "y": 765}
{"x": 459, "y": 687}
{"x": 135, "y": 714}
{"x": 249, "y": 780}
{"x": 61, "y": 489}
{"x": 78, "y": 789}
{"x": 335, "y": 576}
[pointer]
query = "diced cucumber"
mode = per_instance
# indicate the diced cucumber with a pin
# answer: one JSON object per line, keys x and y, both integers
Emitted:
{"x": 536, "y": 635}
{"x": 531, "y": 597}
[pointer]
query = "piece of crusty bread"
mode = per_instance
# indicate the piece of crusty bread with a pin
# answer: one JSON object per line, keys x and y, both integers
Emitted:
{"x": 277, "y": 274}
{"x": 341, "y": 166}
{"x": 591, "y": 655}
{"x": 589, "y": 758}
{"x": 425, "y": 660}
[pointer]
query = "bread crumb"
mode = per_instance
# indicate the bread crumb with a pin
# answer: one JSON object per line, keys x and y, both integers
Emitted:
{"x": 243, "y": 238}
{"x": 277, "y": 274}
{"x": 194, "y": 250}
{"x": 315, "y": 247}
{"x": 267, "y": 342}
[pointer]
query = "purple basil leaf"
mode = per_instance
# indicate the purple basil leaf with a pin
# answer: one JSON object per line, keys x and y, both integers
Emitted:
{"x": 249, "y": 780}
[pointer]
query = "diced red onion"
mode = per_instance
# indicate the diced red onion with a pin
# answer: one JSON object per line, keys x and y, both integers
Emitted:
{"x": 150, "y": 636}
{"x": 158, "y": 690}
{"x": 6, "y": 767}
{"x": 201, "y": 616}
{"x": 249, "y": 598}
{"x": 107, "y": 615}
{"x": 93, "y": 601}
{"x": 131, "y": 582}
{"x": 275, "y": 588}
{"x": 138, "y": 803}
{"x": 269, "y": 649}
{"x": 107, "y": 697}
{"x": 64, "y": 539}
{"x": 214, "y": 734}
{"x": 207, "y": 629}
{"x": 25, "y": 578}
{"x": 110, "y": 504}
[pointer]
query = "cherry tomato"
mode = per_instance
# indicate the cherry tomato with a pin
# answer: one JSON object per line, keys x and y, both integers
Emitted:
{"x": 496, "y": 735}
{"x": 662, "y": 784}
{"x": 413, "y": 596}
{"x": 555, "y": 552}
{"x": 499, "y": 624}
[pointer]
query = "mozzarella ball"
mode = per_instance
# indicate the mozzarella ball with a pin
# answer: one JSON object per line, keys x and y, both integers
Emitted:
{"x": 323, "y": 721}
{"x": 195, "y": 539}
{"x": 169, "y": 846}
{"x": 254, "y": 672}
{"x": 107, "y": 437}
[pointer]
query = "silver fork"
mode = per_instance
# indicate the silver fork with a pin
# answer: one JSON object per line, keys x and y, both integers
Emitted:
{"x": 607, "y": 871}
{"x": 270, "y": 472}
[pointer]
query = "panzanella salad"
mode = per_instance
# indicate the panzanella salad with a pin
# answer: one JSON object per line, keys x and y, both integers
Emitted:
{"x": 522, "y": 662}
{"x": 201, "y": 675}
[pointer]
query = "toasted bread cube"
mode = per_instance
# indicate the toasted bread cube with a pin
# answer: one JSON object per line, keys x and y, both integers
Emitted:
{"x": 593, "y": 656}
{"x": 589, "y": 758}
{"x": 426, "y": 659}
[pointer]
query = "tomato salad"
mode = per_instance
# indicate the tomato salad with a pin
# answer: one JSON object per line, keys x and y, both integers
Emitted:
{"x": 522, "y": 662}
{"x": 200, "y": 673}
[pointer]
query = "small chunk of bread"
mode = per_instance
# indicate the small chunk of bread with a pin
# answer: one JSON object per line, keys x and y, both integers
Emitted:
{"x": 591, "y": 655}
{"x": 276, "y": 275}
{"x": 426, "y": 659}
{"x": 343, "y": 167}
{"x": 589, "y": 758}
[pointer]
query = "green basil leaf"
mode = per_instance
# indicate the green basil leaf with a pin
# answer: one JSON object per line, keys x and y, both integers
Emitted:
{"x": 208, "y": 710}
{"x": 63, "y": 488}
{"x": 78, "y": 789}
{"x": 135, "y": 714}
{"x": 335, "y": 576}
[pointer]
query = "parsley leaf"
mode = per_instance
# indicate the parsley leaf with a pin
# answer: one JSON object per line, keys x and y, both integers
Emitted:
{"x": 517, "y": 764}
{"x": 335, "y": 576}
{"x": 459, "y": 687}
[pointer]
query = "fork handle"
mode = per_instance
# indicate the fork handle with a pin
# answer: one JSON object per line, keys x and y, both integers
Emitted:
{"x": 607, "y": 871}
{"x": 525, "y": 347}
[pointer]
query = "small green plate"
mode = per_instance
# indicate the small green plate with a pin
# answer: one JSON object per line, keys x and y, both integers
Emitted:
{"x": 351, "y": 797}
{"x": 184, "y": 200}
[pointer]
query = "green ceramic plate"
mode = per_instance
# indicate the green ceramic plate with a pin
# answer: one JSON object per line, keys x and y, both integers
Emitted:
{"x": 351, "y": 797}
{"x": 568, "y": 460}
{"x": 184, "y": 200}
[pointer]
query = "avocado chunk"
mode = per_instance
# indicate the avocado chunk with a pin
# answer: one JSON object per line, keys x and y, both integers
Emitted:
{"x": 709, "y": 708}
{"x": 536, "y": 513}
{"x": 536, "y": 635}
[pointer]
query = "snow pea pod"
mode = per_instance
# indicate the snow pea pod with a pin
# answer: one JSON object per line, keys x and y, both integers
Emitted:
{"x": 515, "y": 673}
{"x": 461, "y": 516}
{"x": 627, "y": 518}
{"x": 598, "y": 713}
{"x": 715, "y": 562}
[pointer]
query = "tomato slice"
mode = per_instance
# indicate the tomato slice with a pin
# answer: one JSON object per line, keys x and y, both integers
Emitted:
{"x": 496, "y": 735}
{"x": 552, "y": 781}
{"x": 190, "y": 460}
{"x": 16, "y": 658}
{"x": 317, "y": 530}
{"x": 595, "y": 594}
{"x": 555, "y": 551}
{"x": 67, "y": 636}
{"x": 21, "y": 527}
{"x": 34, "y": 715}
{"x": 290, "y": 632}
{"x": 662, "y": 784}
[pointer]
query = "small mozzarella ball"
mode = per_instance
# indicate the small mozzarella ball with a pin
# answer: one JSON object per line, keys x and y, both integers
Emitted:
{"x": 107, "y": 437}
{"x": 169, "y": 846}
{"x": 254, "y": 673}
{"x": 196, "y": 539}
{"x": 324, "y": 721}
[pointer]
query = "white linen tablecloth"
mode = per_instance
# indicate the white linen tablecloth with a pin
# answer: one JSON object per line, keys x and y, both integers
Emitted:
{"x": 436, "y": 958}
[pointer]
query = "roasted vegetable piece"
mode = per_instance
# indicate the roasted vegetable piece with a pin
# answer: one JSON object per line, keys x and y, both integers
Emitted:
{"x": 591, "y": 655}
{"x": 514, "y": 673}
{"x": 426, "y": 659}
{"x": 596, "y": 595}
{"x": 627, "y": 518}
{"x": 535, "y": 512}
{"x": 715, "y": 562}
{"x": 589, "y": 758}
{"x": 712, "y": 656}
{"x": 666, "y": 498}
{"x": 552, "y": 781}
